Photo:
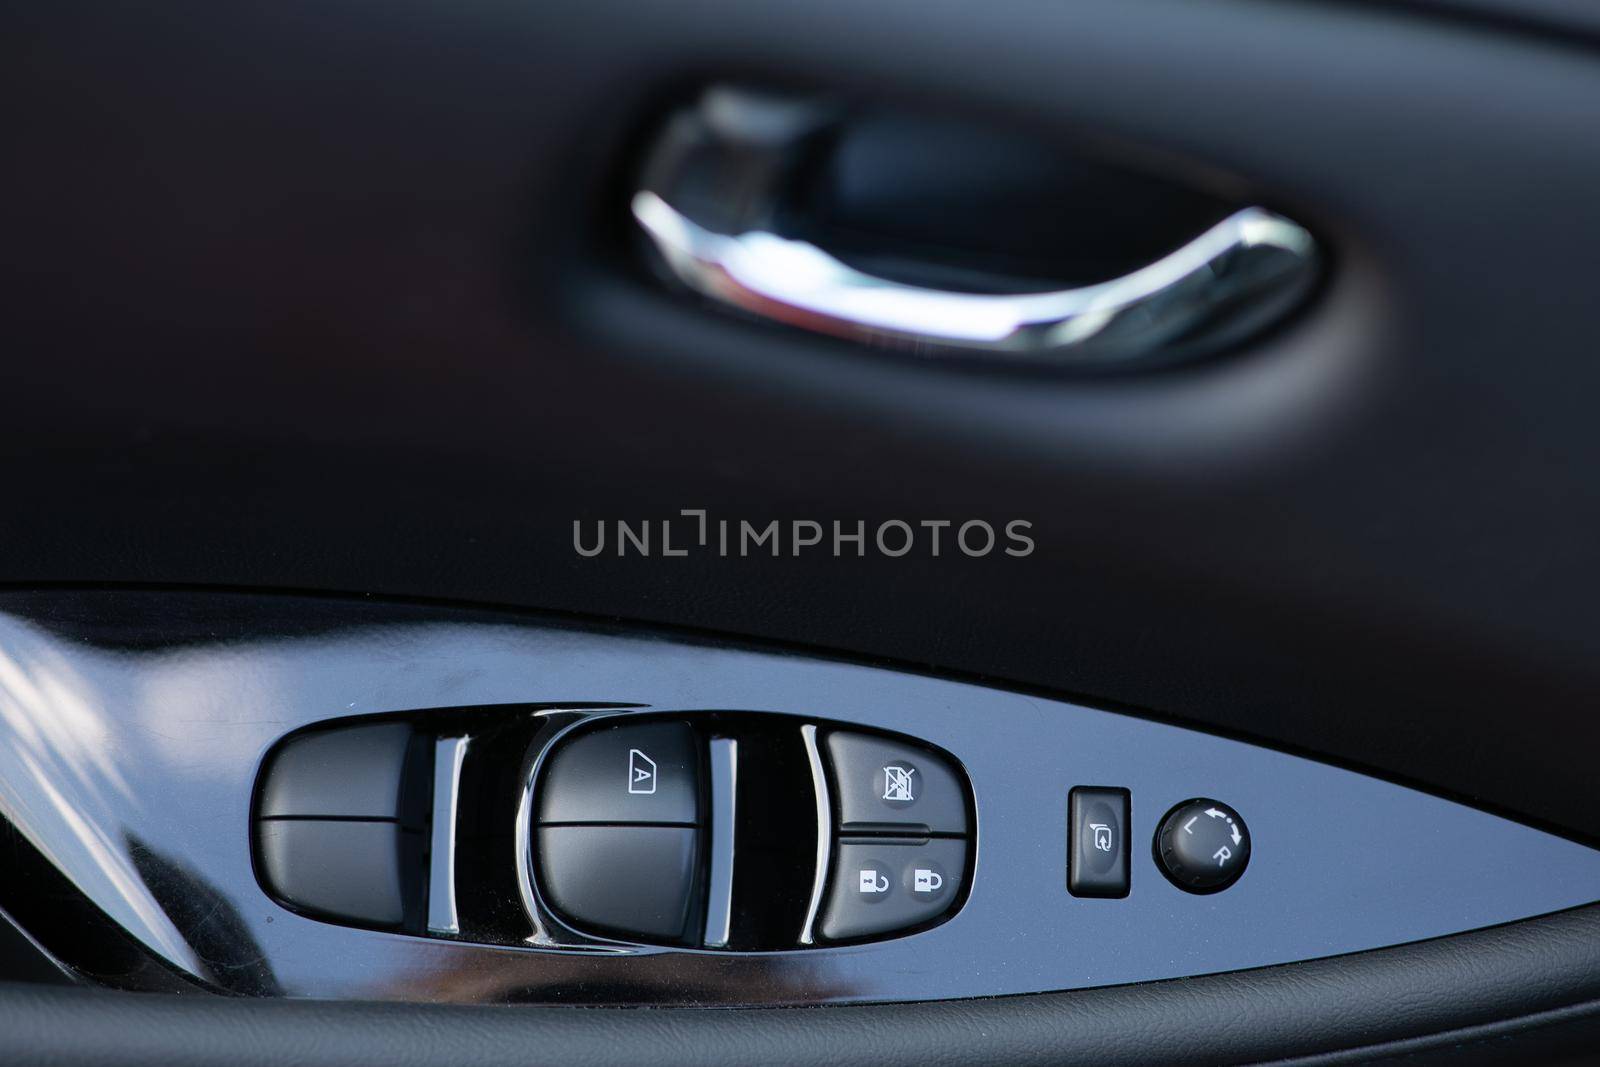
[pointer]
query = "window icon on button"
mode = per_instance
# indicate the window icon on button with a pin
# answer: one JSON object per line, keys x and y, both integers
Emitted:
{"x": 641, "y": 773}
{"x": 897, "y": 782}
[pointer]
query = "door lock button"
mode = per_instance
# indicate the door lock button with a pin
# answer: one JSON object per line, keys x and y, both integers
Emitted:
{"x": 1203, "y": 846}
{"x": 1097, "y": 842}
{"x": 879, "y": 886}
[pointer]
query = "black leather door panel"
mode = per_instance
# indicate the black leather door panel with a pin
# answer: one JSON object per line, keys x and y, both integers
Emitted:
{"x": 334, "y": 297}
{"x": 319, "y": 285}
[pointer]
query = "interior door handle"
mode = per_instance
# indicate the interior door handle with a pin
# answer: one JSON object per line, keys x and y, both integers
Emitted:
{"x": 1243, "y": 267}
{"x": 1217, "y": 288}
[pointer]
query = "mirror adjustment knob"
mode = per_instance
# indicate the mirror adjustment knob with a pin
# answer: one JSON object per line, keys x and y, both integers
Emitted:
{"x": 1202, "y": 846}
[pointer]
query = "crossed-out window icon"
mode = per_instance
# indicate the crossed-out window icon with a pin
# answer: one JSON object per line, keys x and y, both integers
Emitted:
{"x": 897, "y": 782}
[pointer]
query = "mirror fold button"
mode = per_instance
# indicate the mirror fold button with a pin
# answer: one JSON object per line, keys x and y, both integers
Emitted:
{"x": 1097, "y": 842}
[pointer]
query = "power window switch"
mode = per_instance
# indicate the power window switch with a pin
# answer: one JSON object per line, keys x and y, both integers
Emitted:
{"x": 631, "y": 881}
{"x": 346, "y": 772}
{"x": 365, "y": 873}
{"x": 625, "y": 772}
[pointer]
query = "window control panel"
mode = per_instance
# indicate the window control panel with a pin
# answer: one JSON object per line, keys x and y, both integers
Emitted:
{"x": 914, "y": 838}
{"x": 734, "y": 831}
{"x": 725, "y": 830}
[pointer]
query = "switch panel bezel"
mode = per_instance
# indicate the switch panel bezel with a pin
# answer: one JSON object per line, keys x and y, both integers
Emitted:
{"x": 172, "y": 875}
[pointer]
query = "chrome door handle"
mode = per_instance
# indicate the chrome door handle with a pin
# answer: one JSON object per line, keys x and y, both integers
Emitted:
{"x": 723, "y": 197}
{"x": 1227, "y": 282}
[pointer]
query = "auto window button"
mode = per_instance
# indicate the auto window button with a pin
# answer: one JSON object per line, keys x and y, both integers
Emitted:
{"x": 626, "y": 773}
{"x": 632, "y": 881}
{"x": 879, "y": 782}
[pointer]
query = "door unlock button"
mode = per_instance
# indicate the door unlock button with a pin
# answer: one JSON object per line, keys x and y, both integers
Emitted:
{"x": 880, "y": 885}
{"x": 873, "y": 883}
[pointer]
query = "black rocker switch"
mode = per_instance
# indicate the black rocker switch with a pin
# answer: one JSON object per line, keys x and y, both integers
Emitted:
{"x": 621, "y": 836}
{"x": 646, "y": 772}
{"x": 339, "y": 820}
{"x": 636, "y": 881}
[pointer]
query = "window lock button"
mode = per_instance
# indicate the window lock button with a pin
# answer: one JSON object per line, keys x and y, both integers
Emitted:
{"x": 882, "y": 783}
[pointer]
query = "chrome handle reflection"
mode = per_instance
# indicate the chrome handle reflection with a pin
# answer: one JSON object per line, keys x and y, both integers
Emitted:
{"x": 1229, "y": 281}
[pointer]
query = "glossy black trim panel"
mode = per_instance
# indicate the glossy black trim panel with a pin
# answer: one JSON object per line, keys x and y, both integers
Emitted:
{"x": 116, "y": 758}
